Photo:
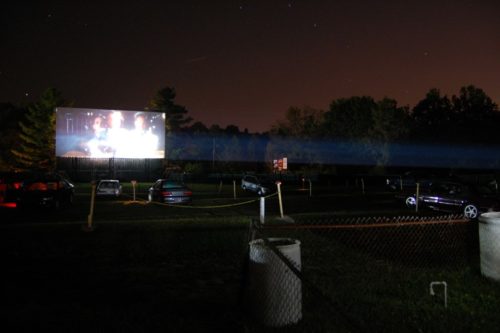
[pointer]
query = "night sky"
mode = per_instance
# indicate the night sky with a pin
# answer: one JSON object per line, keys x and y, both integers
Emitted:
{"x": 246, "y": 62}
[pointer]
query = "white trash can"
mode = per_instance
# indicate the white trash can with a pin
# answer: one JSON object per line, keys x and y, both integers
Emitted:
{"x": 275, "y": 292}
{"x": 489, "y": 244}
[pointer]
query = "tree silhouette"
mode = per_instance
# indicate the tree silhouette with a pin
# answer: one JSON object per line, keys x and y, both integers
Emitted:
{"x": 350, "y": 118}
{"x": 474, "y": 115}
{"x": 175, "y": 115}
{"x": 36, "y": 150}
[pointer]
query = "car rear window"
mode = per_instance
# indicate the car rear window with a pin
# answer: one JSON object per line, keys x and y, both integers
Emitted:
{"x": 108, "y": 185}
{"x": 169, "y": 186}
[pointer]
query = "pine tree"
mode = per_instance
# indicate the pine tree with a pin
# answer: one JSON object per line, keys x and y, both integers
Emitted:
{"x": 36, "y": 150}
{"x": 175, "y": 115}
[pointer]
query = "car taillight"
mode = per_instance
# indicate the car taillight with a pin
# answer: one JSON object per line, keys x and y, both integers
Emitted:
{"x": 37, "y": 187}
{"x": 166, "y": 193}
{"x": 188, "y": 193}
{"x": 17, "y": 185}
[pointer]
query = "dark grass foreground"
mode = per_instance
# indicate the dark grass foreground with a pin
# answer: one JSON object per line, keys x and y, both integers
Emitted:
{"x": 180, "y": 276}
{"x": 144, "y": 270}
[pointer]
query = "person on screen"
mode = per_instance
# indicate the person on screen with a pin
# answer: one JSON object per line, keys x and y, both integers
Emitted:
{"x": 144, "y": 143}
{"x": 116, "y": 136}
{"x": 97, "y": 144}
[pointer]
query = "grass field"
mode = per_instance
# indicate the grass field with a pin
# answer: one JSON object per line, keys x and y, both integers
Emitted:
{"x": 124, "y": 276}
{"x": 149, "y": 268}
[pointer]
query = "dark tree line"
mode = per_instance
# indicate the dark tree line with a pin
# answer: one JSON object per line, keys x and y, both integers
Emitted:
{"x": 357, "y": 126}
{"x": 361, "y": 130}
{"x": 463, "y": 118}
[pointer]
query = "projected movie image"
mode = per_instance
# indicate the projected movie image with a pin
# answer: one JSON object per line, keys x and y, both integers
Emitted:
{"x": 96, "y": 133}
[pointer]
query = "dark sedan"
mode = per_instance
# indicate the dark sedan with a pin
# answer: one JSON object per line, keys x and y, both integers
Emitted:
{"x": 455, "y": 197}
{"x": 409, "y": 180}
{"x": 10, "y": 188}
{"x": 169, "y": 191}
{"x": 46, "y": 190}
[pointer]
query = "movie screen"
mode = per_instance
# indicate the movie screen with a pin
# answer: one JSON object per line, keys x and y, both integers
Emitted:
{"x": 99, "y": 133}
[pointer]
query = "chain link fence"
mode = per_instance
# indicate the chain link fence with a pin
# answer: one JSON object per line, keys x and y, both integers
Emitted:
{"x": 367, "y": 274}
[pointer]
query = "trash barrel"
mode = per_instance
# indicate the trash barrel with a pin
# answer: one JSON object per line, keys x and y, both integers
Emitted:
{"x": 489, "y": 244}
{"x": 275, "y": 291}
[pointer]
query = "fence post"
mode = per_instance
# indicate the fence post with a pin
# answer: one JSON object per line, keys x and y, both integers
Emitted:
{"x": 417, "y": 195}
{"x": 133, "y": 187}
{"x": 262, "y": 210}
{"x": 278, "y": 184}
{"x": 310, "y": 188}
{"x": 90, "y": 217}
{"x": 363, "y": 185}
{"x": 234, "y": 189}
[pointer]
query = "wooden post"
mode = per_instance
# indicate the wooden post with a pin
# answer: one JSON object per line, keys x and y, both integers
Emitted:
{"x": 262, "y": 210}
{"x": 90, "y": 217}
{"x": 417, "y": 196}
{"x": 133, "y": 187}
{"x": 278, "y": 184}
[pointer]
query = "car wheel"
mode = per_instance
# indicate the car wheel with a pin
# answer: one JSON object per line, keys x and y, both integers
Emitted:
{"x": 410, "y": 202}
{"x": 471, "y": 212}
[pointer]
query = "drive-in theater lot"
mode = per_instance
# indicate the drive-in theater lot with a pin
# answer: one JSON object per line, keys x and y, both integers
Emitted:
{"x": 146, "y": 267}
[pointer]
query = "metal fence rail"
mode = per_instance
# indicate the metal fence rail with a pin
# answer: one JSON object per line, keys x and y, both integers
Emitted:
{"x": 356, "y": 274}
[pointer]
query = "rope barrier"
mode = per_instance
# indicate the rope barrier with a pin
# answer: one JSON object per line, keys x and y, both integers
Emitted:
{"x": 202, "y": 207}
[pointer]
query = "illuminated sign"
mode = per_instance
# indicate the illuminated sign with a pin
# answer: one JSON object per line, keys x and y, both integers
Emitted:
{"x": 281, "y": 164}
{"x": 98, "y": 133}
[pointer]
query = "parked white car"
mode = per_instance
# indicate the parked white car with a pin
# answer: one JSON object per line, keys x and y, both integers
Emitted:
{"x": 109, "y": 188}
{"x": 254, "y": 184}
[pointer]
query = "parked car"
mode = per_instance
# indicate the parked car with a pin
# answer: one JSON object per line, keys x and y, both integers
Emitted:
{"x": 168, "y": 191}
{"x": 10, "y": 188}
{"x": 409, "y": 180}
{"x": 109, "y": 188}
{"x": 254, "y": 184}
{"x": 46, "y": 190}
{"x": 456, "y": 197}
